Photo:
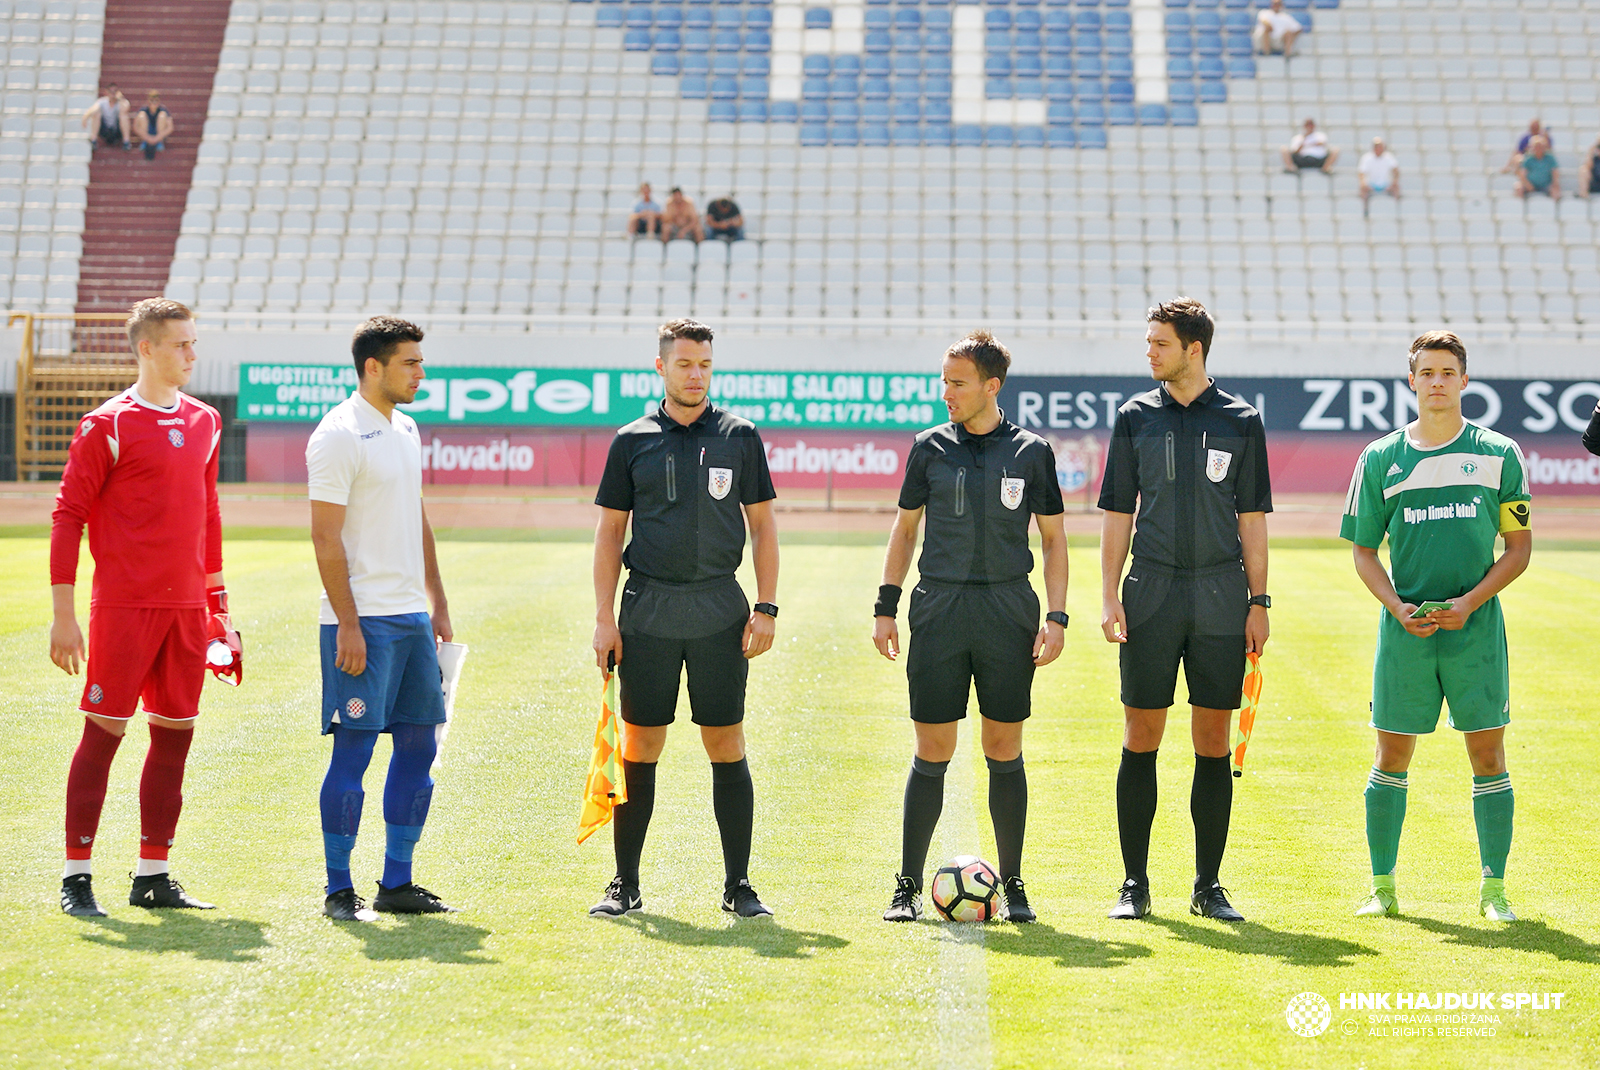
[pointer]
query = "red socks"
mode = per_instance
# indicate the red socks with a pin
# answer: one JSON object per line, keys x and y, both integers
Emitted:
{"x": 160, "y": 789}
{"x": 86, "y": 786}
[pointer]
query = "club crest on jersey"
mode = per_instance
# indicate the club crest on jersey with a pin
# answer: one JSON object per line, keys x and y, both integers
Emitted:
{"x": 1217, "y": 462}
{"x": 719, "y": 482}
{"x": 355, "y": 709}
{"x": 175, "y": 437}
{"x": 1468, "y": 467}
{"x": 1011, "y": 492}
{"x": 96, "y": 695}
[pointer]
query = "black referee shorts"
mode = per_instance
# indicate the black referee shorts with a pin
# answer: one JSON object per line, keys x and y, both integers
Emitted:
{"x": 964, "y": 634}
{"x": 652, "y": 667}
{"x": 1193, "y": 617}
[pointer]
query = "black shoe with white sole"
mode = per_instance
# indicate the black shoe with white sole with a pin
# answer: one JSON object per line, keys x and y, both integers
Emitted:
{"x": 1133, "y": 901}
{"x": 620, "y": 899}
{"x": 907, "y": 902}
{"x": 346, "y": 905}
{"x": 742, "y": 900}
{"x": 1017, "y": 908}
{"x": 77, "y": 897}
{"x": 409, "y": 898}
{"x": 159, "y": 890}
{"x": 1213, "y": 902}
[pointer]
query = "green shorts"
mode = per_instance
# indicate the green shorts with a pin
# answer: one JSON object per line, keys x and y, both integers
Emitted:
{"x": 1469, "y": 669}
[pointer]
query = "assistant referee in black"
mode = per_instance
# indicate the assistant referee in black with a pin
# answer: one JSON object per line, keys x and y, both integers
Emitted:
{"x": 682, "y": 473}
{"x": 1192, "y": 460}
{"x": 974, "y": 615}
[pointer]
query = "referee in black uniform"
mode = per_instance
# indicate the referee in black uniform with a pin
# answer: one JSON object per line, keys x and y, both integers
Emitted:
{"x": 682, "y": 473}
{"x": 1193, "y": 460}
{"x": 974, "y": 615}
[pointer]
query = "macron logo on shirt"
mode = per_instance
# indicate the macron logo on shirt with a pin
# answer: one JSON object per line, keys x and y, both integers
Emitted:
{"x": 371, "y": 434}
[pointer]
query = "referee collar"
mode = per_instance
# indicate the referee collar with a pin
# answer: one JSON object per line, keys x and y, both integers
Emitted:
{"x": 1205, "y": 397}
{"x": 667, "y": 423}
{"x": 963, "y": 435}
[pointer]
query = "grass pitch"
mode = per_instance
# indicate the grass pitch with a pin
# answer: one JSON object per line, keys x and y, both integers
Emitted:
{"x": 523, "y": 978}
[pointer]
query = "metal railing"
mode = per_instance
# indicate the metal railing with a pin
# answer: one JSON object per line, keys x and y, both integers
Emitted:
{"x": 70, "y": 363}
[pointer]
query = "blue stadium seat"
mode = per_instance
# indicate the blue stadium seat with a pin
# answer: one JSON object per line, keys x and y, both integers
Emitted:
{"x": 908, "y": 41}
{"x": 1209, "y": 44}
{"x": 999, "y": 137}
{"x": 997, "y": 41}
{"x": 1091, "y": 113}
{"x": 1093, "y": 137}
{"x": 906, "y": 134}
{"x": 728, "y": 18}
{"x": 937, "y": 134}
{"x": 937, "y": 111}
{"x": 1119, "y": 66}
{"x": 1181, "y": 92}
{"x": 936, "y": 87}
{"x": 1059, "y": 89}
{"x": 1028, "y": 20}
{"x": 1326, "y": 3}
{"x": 998, "y": 65}
{"x": 664, "y": 63}
{"x": 636, "y": 41}
{"x": 908, "y": 18}
{"x": 875, "y": 111}
{"x": 1091, "y": 89}
{"x": 1058, "y": 43}
{"x": 814, "y": 88}
{"x": 1238, "y": 22}
{"x": 814, "y": 111}
{"x": 1152, "y": 115}
{"x": 754, "y": 89}
{"x": 1239, "y": 44}
{"x": 1087, "y": 20}
{"x": 758, "y": 19}
{"x": 640, "y": 17}
{"x": 1305, "y": 21}
{"x": 1060, "y": 113}
{"x": 1030, "y": 88}
{"x": 698, "y": 18}
{"x": 1179, "y": 44}
{"x": 1121, "y": 115}
{"x": 723, "y": 111}
{"x": 696, "y": 63}
{"x": 1120, "y": 91}
{"x": 1213, "y": 93}
{"x": 879, "y": 20}
{"x": 1089, "y": 66}
{"x": 969, "y": 135}
{"x": 844, "y": 134}
{"x": 729, "y": 41}
{"x": 668, "y": 41}
{"x": 696, "y": 41}
{"x": 725, "y": 64}
{"x": 693, "y": 87}
{"x": 1027, "y": 66}
{"x": 1241, "y": 67}
{"x": 608, "y": 17}
{"x": 906, "y": 87}
{"x": 1297, "y": 5}
{"x": 819, "y": 18}
{"x": 997, "y": 18}
{"x": 813, "y": 134}
{"x": 1177, "y": 3}
{"x": 783, "y": 111}
{"x": 878, "y": 42}
{"x": 755, "y": 64}
{"x": 1185, "y": 115}
{"x": 936, "y": 41}
{"x": 1207, "y": 22}
{"x": 758, "y": 41}
{"x": 936, "y": 18}
{"x": 1029, "y": 42}
{"x": 1211, "y": 68}
{"x": 1239, "y": 3}
{"x": 814, "y": 65}
{"x": 1178, "y": 22}
{"x": 1030, "y": 137}
{"x": 1058, "y": 21}
{"x": 1062, "y": 137}
{"x": 847, "y": 64}
{"x": 1119, "y": 22}
{"x": 907, "y": 111}
{"x": 875, "y": 89}
{"x": 844, "y": 87}
{"x": 844, "y": 110}
{"x": 1058, "y": 66}
{"x": 875, "y": 134}
{"x": 1087, "y": 42}
{"x": 999, "y": 89}
{"x": 752, "y": 111}
{"x": 876, "y": 66}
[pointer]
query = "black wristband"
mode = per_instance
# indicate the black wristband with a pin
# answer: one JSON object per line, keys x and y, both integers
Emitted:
{"x": 1057, "y": 617}
{"x": 888, "y": 603}
{"x": 768, "y": 608}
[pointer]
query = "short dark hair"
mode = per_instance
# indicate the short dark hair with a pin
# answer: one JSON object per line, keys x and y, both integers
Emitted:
{"x": 672, "y": 330}
{"x": 378, "y": 338}
{"x": 150, "y": 311}
{"x": 1447, "y": 341}
{"x": 1190, "y": 322}
{"x": 991, "y": 358}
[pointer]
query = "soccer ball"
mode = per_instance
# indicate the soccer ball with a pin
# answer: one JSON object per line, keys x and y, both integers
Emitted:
{"x": 966, "y": 889}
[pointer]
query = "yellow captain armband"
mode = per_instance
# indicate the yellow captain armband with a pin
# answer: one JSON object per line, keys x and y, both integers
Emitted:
{"x": 1514, "y": 517}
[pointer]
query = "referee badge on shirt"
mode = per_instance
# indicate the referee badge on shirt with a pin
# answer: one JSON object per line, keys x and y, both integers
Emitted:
{"x": 1217, "y": 462}
{"x": 719, "y": 482}
{"x": 1011, "y": 492}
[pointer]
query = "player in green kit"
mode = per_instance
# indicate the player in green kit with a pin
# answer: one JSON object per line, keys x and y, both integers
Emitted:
{"x": 1441, "y": 489}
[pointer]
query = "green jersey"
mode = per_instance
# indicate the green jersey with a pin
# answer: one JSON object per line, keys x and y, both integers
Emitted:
{"x": 1441, "y": 508}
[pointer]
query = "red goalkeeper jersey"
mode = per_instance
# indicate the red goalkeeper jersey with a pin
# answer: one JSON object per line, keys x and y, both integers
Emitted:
{"x": 145, "y": 481}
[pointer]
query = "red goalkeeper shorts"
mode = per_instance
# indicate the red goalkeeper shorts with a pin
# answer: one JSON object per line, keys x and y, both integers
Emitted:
{"x": 157, "y": 654}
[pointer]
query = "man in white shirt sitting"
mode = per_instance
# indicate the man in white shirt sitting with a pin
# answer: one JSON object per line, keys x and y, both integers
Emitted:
{"x": 1307, "y": 149}
{"x": 1276, "y": 31}
{"x": 1380, "y": 172}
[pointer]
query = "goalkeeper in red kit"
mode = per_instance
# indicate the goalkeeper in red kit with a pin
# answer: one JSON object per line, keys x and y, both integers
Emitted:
{"x": 142, "y": 474}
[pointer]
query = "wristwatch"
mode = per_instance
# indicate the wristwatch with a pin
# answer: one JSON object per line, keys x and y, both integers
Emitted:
{"x": 766, "y": 607}
{"x": 1262, "y": 600}
{"x": 1055, "y": 616}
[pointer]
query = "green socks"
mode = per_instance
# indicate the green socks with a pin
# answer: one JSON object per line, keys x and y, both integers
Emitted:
{"x": 1492, "y": 808}
{"x": 1386, "y": 813}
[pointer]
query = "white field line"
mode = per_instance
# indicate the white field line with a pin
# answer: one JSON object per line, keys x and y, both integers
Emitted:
{"x": 961, "y": 1006}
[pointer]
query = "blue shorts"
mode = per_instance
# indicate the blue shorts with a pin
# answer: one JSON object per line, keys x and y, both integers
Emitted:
{"x": 401, "y": 683}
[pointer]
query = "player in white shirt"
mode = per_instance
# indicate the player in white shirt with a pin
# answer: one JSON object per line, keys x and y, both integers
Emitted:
{"x": 1276, "y": 31}
{"x": 1379, "y": 171}
{"x": 380, "y": 576}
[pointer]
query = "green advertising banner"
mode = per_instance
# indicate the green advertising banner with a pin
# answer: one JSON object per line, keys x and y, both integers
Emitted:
{"x": 591, "y": 397}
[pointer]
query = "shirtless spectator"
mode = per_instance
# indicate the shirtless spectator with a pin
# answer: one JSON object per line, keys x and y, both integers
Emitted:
{"x": 1276, "y": 31}
{"x": 646, "y": 217}
{"x": 680, "y": 220}
{"x": 110, "y": 115}
{"x": 152, "y": 126}
{"x": 724, "y": 220}
{"x": 1539, "y": 172}
{"x": 1309, "y": 149}
{"x": 1535, "y": 129}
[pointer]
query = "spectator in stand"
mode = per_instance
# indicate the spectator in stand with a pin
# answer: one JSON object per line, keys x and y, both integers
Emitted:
{"x": 1535, "y": 129}
{"x": 1539, "y": 172}
{"x": 153, "y": 125}
{"x": 1309, "y": 148}
{"x": 1589, "y": 176}
{"x": 724, "y": 220}
{"x": 1380, "y": 172}
{"x": 110, "y": 113}
{"x": 646, "y": 217}
{"x": 1276, "y": 31}
{"x": 680, "y": 220}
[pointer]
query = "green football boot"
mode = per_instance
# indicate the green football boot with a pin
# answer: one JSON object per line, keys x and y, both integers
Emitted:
{"x": 1492, "y": 900}
{"x": 1381, "y": 902}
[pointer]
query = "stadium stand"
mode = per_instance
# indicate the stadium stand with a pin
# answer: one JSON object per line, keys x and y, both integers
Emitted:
{"x": 1059, "y": 164}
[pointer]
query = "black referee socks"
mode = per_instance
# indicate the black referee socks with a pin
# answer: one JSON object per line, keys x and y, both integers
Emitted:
{"x": 631, "y": 820}
{"x": 924, "y": 802}
{"x": 1210, "y": 805}
{"x": 733, "y": 798}
{"x": 1008, "y": 809}
{"x": 1136, "y": 811}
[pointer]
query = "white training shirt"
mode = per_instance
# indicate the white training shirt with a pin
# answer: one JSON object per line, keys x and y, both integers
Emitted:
{"x": 1379, "y": 169}
{"x": 373, "y": 468}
